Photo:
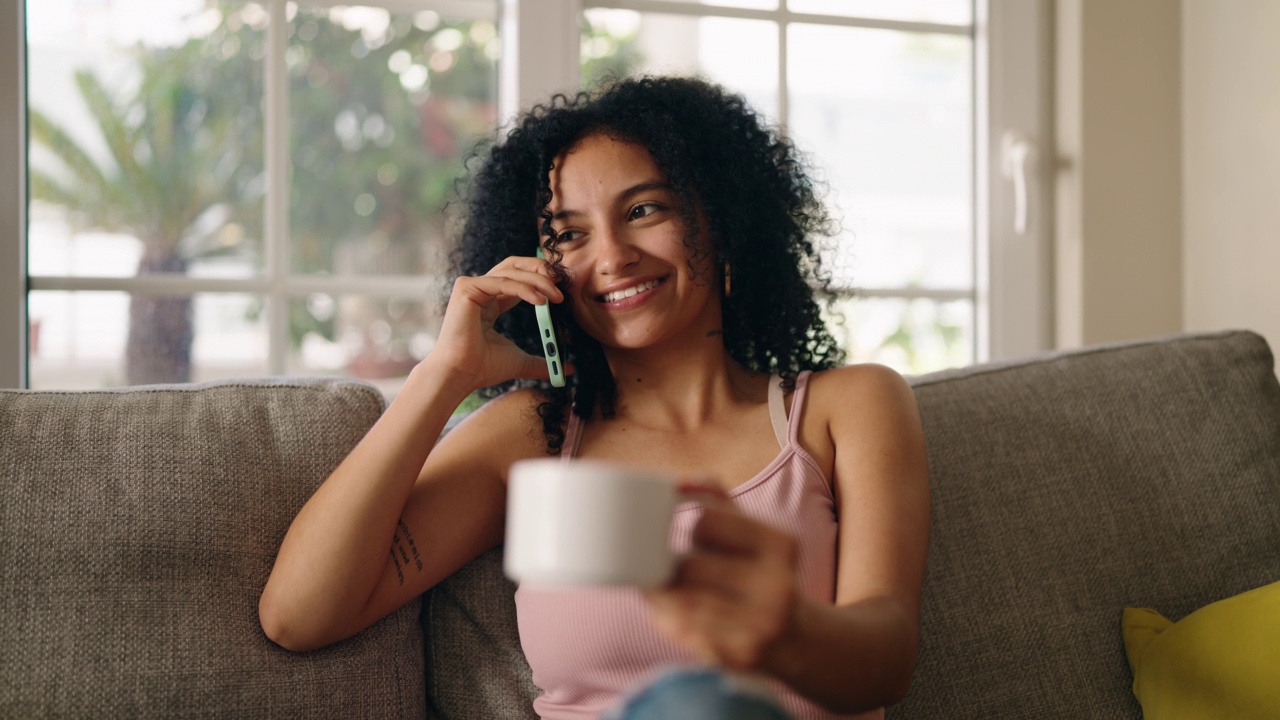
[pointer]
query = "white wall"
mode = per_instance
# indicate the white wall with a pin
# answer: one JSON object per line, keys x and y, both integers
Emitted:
{"x": 1231, "y": 165}
{"x": 1118, "y": 222}
{"x": 1167, "y": 192}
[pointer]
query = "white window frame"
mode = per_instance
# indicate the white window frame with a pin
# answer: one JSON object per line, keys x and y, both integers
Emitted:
{"x": 13, "y": 196}
{"x": 1011, "y": 74}
{"x": 1013, "y": 255}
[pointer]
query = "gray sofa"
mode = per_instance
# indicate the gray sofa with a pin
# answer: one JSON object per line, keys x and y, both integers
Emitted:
{"x": 137, "y": 527}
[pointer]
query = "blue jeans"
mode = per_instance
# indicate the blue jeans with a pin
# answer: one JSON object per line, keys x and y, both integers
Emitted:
{"x": 699, "y": 694}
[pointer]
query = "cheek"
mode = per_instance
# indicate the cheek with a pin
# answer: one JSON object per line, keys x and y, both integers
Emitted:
{"x": 580, "y": 318}
{"x": 572, "y": 275}
{"x": 578, "y": 301}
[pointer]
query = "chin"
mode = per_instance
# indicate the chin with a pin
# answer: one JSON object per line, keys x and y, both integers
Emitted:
{"x": 627, "y": 341}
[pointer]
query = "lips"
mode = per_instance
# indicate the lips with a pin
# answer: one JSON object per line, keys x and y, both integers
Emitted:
{"x": 632, "y": 291}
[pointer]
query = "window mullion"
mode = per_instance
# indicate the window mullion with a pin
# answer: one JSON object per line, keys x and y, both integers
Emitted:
{"x": 541, "y": 45}
{"x": 784, "y": 101}
{"x": 276, "y": 222}
{"x": 13, "y": 196}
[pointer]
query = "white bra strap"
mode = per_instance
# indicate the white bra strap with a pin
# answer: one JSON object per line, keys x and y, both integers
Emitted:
{"x": 777, "y": 410}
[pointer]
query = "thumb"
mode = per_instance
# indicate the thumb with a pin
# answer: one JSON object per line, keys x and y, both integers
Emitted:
{"x": 534, "y": 367}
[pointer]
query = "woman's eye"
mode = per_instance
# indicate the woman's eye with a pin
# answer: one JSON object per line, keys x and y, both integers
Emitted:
{"x": 567, "y": 235}
{"x": 643, "y": 210}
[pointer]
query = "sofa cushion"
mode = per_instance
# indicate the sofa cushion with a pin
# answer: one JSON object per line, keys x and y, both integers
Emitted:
{"x": 137, "y": 529}
{"x": 1071, "y": 486}
{"x": 1218, "y": 662}
{"x": 475, "y": 665}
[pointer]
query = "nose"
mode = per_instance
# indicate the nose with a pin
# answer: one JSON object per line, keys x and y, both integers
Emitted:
{"x": 615, "y": 251}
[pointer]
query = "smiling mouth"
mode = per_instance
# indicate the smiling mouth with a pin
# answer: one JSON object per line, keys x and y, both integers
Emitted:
{"x": 630, "y": 292}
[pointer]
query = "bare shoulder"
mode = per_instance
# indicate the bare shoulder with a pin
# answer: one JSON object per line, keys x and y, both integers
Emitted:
{"x": 864, "y": 391}
{"x": 507, "y": 411}
{"x": 503, "y": 430}
{"x": 857, "y": 407}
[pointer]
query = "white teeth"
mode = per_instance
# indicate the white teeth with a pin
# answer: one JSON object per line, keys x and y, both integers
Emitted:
{"x": 629, "y": 292}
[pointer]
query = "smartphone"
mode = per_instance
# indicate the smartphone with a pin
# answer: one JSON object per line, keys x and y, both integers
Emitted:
{"x": 547, "y": 334}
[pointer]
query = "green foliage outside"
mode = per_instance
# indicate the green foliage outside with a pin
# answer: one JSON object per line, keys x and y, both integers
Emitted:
{"x": 374, "y": 155}
{"x": 605, "y": 55}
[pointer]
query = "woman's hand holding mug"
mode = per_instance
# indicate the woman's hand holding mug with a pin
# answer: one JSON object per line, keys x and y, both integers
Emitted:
{"x": 581, "y": 523}
{"x": 734, "y": 595}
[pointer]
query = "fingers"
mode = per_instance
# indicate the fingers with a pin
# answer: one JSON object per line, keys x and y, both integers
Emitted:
{"x": 530, "y": 271}
{"x": 723, "y": 575}
{"x": 709, "y": 626}
{"x": 535, "y": 368}
{"x": 736, "y": 557}
{"x": 721, "y": 629}
{"x": 734, "y": 594}
{"x": 508, "y": 282}
{"x": 502, "y": 292}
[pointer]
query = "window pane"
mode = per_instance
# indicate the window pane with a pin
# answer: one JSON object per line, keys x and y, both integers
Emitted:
{"x": 742, "y": 55}
{"x": 911, "y": 336}
{"x": 383, "y": 108}
{"x": 146, "y": 137}
{"x": 377, "y": 339}
{"x": 89, "y": 340}
{"x": 894, "y": 138}
{"x": 957, "y": 12}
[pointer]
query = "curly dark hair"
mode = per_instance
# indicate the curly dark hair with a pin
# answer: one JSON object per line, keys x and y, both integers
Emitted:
{"x": 719, "y": 155}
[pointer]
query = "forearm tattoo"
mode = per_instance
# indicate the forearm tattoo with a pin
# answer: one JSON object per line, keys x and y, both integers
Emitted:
{"x": 404, "y": 552}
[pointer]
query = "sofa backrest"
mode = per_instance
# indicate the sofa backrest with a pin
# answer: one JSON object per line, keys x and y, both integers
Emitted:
{"x": 137, "y": 529}
{"x": 1070, "y": 486}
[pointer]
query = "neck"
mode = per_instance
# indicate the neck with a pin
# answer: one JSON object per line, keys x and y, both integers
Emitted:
{"x": 681, "y": 390}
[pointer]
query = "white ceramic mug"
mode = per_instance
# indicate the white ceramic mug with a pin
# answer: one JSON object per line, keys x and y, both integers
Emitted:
{"x": 588, "y": 522}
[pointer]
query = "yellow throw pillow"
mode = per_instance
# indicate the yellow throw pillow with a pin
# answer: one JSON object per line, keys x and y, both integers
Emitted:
{"x": 1221, "y": 661}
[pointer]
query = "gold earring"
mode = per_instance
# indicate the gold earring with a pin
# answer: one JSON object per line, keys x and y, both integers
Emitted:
{"x": 728, "y": 280}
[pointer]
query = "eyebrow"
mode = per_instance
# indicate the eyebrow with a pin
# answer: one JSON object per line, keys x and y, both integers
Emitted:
{"x": 622, "y": 196}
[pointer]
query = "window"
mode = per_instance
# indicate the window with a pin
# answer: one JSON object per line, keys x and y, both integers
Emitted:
{"x": 238, "y": 188}
{"x": 228, "y": 188}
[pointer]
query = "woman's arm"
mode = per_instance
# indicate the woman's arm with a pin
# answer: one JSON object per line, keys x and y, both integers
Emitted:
{"x": 397, "y": 516}
{"x": 736, "y": 600}
{"x": 342, "y": 564}
{"x": 861, "y": 652}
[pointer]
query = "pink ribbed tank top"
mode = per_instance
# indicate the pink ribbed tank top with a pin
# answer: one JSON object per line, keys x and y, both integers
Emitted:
{"x": 590, "y": 646}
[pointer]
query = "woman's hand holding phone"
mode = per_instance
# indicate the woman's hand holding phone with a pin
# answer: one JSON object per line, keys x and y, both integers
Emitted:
{"x": 468, "y": 348}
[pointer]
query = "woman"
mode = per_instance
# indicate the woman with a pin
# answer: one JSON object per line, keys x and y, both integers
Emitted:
{"x": 680, "y": 267}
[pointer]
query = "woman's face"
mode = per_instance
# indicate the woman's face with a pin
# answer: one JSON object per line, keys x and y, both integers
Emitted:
{"x": 622, "y": 241}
